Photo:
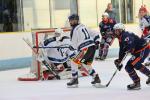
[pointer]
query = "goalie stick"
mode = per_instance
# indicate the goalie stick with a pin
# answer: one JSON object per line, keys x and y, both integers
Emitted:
{"x": 44, "y": 62}
{"x": 116, "y": 71}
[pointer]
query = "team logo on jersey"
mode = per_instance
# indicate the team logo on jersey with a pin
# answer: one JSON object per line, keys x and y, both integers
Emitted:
{"x": 126, "y": 39}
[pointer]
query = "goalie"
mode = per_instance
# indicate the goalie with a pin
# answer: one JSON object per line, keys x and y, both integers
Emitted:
{"x": 58, "y": 56}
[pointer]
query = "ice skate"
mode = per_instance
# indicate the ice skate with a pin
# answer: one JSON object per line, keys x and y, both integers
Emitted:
{"x": 97, "y": 82}
{"x": 147, "y": 64}
{"x": 102, "y": 57}
{"x": 73, "y": 83}
{"x": 97, "y": 58}
{"x": 148, "y": 81}
{"x": 134, "y": 86}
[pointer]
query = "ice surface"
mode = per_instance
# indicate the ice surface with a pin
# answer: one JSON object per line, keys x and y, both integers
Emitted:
{"x": 12, "y": 89}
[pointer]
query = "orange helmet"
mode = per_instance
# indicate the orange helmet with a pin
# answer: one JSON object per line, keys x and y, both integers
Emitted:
{"x": 143, "y": 9}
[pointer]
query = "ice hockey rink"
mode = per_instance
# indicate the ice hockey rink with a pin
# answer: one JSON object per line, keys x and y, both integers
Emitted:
{"x": 12, "y": 89}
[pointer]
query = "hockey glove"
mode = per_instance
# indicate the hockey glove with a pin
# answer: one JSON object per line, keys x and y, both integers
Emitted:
{"x": 118, "y": 64}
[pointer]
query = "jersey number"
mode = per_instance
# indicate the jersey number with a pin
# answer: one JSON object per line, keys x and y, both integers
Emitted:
{"x": 87, "y": 36}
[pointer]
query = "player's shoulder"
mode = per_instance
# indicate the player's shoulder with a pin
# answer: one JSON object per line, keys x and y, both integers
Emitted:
{"x": 147, "y": 17}
{"x": 101, "y": 23}
{"x": 128, "y": 34}
{"x": 49, "y": 40}
{"x": 112, "y": 21}
{"x": 80, "y": 27}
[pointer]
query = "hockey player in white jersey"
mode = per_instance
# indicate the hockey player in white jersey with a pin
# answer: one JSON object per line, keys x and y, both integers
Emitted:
{"x": 144, "y": 22}
{"x": 85, "y": 46}
{"x": 57, "y": 57}
{"x": 96, "y": 37}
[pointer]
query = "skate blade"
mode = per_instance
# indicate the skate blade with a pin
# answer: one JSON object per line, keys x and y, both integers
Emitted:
{"x": 99, "y": 59}
{"x": 99, "y": 85}
{"x": 138, "y": 88}
{"x": 147, "y": 64}
{"x": 73, "y": 86}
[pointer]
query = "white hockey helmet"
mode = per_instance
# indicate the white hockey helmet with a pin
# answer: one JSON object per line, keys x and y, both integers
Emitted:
{"x": 58, "y": 32}
{"x": 105, "y": 14}
{"x": 119, "y": 26}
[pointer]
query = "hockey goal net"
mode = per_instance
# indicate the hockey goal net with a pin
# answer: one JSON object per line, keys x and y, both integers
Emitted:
{"x": 38, "y": 36}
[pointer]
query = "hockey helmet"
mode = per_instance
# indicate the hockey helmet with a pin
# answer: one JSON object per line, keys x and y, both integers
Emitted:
{"x": 143, "y": 9}
{"x": 73, "y": 17}
{"x": 105, "y": 14}
{"x": 58, "y": 32}
{"x": 119, "y": 26}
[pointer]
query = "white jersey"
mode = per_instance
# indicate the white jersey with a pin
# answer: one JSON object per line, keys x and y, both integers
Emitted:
{"x": 80, "y": 37}
{"x": 95, "y": 35}
{"x": 144, "y": 22}
{"x": 147, "y": 38}
{"x": 58, "y": 55}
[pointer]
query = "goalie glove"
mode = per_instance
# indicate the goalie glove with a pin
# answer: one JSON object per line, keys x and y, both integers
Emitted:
{"x": 118, "y": 64}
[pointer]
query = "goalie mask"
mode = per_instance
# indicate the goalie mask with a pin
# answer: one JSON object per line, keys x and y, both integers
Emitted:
{"x": 58, "y": 32}
{"x": 118, "y": 28}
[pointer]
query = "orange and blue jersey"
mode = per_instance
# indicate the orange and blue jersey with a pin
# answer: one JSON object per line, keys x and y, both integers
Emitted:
{"x": 106, "y": 26}
{"x": 129, "y": 42}
{"x": 139, "y": 50}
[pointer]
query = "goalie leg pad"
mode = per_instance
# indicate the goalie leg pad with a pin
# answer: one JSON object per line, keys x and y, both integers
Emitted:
{"x": 47, "y": 75}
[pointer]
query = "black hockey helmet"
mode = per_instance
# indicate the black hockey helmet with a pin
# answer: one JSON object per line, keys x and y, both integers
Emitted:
{"x": 73, "y": 17}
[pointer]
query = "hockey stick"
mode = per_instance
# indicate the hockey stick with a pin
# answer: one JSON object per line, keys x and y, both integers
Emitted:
{"x": 29, "y": 44}
{"x": 116, "y": 71}
{"x": 51, "y": 69}
{"x": 111, "y": 78}
{"x": 44, "y": 62}
{"x": 51, "y": 47}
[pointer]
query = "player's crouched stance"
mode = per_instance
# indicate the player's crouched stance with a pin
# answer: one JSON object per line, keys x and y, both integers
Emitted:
{"x": 84, "y": 44}
{"x": 139, "y": 50}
